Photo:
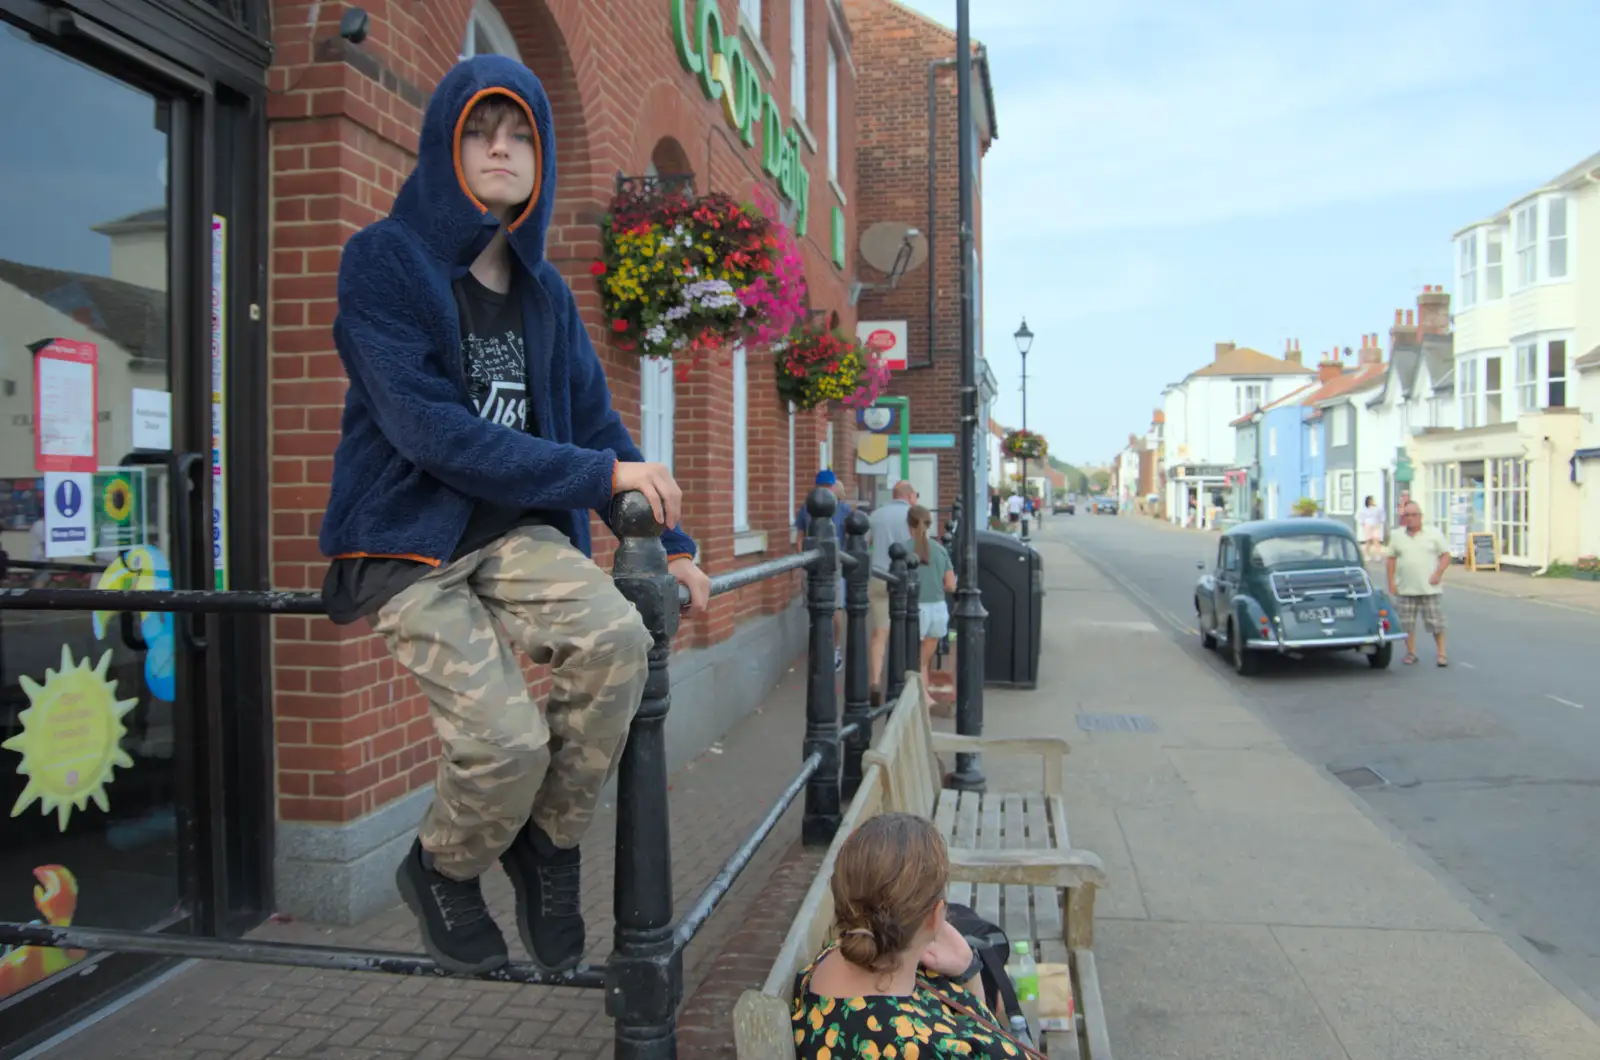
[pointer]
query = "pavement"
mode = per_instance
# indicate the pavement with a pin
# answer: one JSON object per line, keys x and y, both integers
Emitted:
{"x": 1258, "y": 907}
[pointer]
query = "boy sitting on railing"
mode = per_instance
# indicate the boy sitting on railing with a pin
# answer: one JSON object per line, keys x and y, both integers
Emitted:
{"x": 478, "y": 432}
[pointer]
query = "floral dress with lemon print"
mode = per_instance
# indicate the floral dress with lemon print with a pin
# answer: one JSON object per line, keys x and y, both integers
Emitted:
{"x": 923, "y": 1026}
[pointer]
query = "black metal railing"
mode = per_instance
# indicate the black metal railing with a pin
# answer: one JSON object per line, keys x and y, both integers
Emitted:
{"x": 643, "y": 979}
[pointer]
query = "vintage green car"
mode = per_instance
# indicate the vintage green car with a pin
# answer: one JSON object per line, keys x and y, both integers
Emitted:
{"x": 1293, "y": 586}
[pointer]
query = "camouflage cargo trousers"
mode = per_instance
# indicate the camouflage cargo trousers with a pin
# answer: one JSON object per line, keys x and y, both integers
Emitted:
{"x": 503, "y": 760}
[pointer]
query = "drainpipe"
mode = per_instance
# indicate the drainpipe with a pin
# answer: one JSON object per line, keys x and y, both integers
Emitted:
{"x": 1549, "y": 499}
{"x": 933, "y": 197}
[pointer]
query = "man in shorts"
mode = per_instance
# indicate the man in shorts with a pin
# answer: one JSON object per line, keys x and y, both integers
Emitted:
{"x": 1418, "y": 558}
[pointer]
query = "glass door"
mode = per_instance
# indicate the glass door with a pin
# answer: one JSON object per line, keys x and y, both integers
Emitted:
{"x": 96, "y": 782}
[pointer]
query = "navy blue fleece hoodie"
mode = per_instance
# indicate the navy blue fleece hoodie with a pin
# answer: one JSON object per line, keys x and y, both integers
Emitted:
{"x": 414, "y": 458}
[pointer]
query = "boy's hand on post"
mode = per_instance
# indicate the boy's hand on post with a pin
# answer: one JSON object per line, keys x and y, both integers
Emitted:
{"x": 694, "y": 579}
{"x": 655, "y": 481}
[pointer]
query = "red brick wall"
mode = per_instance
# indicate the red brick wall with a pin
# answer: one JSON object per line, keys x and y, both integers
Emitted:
{"x": 353, "y": 731}
{"x": 893, "y": 46}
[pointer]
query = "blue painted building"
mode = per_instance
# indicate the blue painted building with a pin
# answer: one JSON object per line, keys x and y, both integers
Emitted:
{"x": 1271, "y": 451}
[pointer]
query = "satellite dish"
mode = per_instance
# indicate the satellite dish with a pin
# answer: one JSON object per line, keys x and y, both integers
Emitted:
{"x": 894, "y": 249}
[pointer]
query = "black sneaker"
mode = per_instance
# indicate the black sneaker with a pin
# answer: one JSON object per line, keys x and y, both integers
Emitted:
{"x": 545, "y": 878}
{"x": 457, "y": 930}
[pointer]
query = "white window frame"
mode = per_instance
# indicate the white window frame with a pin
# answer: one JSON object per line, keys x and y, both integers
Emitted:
{"x": 1526, "y": 234}
{"x": 1551, "y": 377}
{"x": 1342, "y": 493}
{"x": 1467, "y": 392}
{"x": 741, "y": 441}
{"x": 487, "y": 17}
{"x": 751, "y": 10}
{"x": 1557, "y": 259}
{"x": 1247, "y": 397}
{"x": 1494, "y": 398}
{"x": 833, "y": 111}
{"x": 1312, "y": 446}
{"x": 1526, "y": 356}
{"x": 1467, "y": 294}
{"x": 1339, "y": 426}
{"x": 657, "y": 409}
{"x": 1494, "y": 264}
{"x": 797, "y": 58}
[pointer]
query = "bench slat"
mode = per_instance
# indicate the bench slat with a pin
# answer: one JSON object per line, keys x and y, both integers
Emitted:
{"x": 944, "y": 817}
{"x": 1017, "y": 922}
{"x": 1046, "y": 910}
{"x": 986, "y": 900}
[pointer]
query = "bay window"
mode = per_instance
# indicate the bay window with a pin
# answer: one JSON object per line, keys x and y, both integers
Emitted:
{"x": 1468, "y": 292}
{"x": 1555, "y": 239}
{"x": 1528, "y": 377}
{"x": 1467, "y": 391}
{"x": 1494, "y": 285}
{"x": 1556, "y": 374}
{"x": 1526, "y": 235}
{"x": 1493, "y": 391}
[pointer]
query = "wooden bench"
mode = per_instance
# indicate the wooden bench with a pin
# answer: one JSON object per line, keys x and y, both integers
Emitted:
{"x": 1010, "y": 859}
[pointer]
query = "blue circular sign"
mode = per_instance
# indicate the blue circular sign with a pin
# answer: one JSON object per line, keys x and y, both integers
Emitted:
{"x": 69, "y": 498}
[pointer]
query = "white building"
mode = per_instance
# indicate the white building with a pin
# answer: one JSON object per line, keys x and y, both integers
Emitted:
{"x": 1413, "y": 395}
{"x": 1527, "y": 309}
{"x": 1198, "y": 444}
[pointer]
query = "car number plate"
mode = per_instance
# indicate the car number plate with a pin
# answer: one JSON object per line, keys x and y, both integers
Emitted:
{"x": 1325, "y": 614}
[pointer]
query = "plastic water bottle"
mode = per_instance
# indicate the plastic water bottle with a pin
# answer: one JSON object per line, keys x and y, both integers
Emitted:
{"x": 1025, "y": 978}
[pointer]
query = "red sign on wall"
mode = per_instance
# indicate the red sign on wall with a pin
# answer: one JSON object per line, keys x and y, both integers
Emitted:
{"x": 888, "y": 337}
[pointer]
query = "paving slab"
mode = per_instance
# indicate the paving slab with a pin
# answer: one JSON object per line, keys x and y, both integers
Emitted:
{"x": 1464, "y": 995}
{"x": 1203, "y": 991}
{"x": 1233, "y": 781}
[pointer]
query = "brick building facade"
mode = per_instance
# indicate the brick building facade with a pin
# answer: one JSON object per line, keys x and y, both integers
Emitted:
{"x": 905, "y": 63}
{"x": 355, "y": 745}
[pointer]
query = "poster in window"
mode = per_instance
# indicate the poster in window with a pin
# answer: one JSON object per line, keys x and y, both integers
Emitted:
{"x": 66, "y": 382}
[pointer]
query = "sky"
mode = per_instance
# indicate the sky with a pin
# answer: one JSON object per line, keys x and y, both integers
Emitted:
{"x": 1170, "y": 175}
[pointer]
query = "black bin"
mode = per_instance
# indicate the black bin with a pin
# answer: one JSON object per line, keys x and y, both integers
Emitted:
{"x": 1011, "y": 584}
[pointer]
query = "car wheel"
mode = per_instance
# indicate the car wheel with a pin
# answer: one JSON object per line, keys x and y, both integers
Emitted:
{"x": 1380, "y": 659}
{"x": 1245, "y": 661}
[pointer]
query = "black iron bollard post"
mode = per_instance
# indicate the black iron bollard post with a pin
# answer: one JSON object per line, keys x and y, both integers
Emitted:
{"x": 857, "y": 663}
{"x": 894, "y": 678}
{"x": 913, "y": 616}
{"x": 644, "y": 978}
{"x": 821, "y": 818}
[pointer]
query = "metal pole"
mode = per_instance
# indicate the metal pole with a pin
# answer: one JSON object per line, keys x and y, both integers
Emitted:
{"x": 969, "y": 614}
{"x": 644, "y": 978}
{"x": 894, "y": 679}
{"x": 821, "y": 818}
{"x": 1027, "y": 498}
{"x": 857, "y": 666}
{"x": 913, "y": 616}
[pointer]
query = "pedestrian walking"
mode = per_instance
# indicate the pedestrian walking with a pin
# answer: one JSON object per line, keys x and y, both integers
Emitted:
{"x": 887, "y": 525}
{"x": 936, "y": 578}
{"x": 1371, "y": 521}
{"x": 478, "y": 434}
{"x": 1418, "y": 558}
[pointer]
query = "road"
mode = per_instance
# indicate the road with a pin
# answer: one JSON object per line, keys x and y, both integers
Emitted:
{"x": 1491, "y": 766}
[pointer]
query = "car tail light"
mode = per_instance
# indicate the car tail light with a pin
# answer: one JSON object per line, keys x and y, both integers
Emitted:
{"x": 1385, "y": 625}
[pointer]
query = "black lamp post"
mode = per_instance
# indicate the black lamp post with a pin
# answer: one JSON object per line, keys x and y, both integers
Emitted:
{"x": 1024, "y": 339}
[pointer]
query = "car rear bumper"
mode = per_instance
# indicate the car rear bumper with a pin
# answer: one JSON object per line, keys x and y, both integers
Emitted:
{"x": 1369, "y": 641}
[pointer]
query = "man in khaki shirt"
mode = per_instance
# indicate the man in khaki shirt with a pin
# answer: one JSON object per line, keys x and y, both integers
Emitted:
{"x": 1418, "y": 558}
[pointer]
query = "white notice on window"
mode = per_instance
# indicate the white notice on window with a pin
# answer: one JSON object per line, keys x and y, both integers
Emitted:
{"x": 152, "y": 420}
{"x": 66, "y": 408}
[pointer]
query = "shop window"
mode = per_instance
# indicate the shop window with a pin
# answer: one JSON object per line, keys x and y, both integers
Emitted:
{"x": 1507, "y": 505}
{"x": 797, "y": 58}
{"x": 1443, "y": 485}
{"x": 656, "y": 409}
{"x": 488, "y": 34}
{"x": 741, "y": 441}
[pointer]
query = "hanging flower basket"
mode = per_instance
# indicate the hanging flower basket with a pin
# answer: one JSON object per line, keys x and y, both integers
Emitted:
{"x": 680, "y": 277}
{"x": 1025, "y": 445}
{"x": 815, "y": 366}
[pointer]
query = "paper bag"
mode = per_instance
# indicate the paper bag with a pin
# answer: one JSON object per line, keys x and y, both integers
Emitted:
{"x": 1055, "y": 998}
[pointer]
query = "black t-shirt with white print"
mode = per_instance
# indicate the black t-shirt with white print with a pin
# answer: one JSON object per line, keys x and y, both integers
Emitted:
{"x": 494, "y": 361}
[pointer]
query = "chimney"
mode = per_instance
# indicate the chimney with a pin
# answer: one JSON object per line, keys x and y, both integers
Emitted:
{"x": 1404, "y": 332}
{"x": 1222, "y": 348}
{"x": 1371, "y": 352}
{"x": 1331, "y": 367}
{"x": 1292, "y": 352}
{"x": 1433, "y": 311}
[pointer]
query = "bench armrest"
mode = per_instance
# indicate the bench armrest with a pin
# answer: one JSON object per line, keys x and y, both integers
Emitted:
{"x": 1052, "y": 750}
{"x": 1033, "y": 868}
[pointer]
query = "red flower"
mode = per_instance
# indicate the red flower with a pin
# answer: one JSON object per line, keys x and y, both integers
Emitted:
{"x": 619, "y": 325}
{"x": 597, "y": 269}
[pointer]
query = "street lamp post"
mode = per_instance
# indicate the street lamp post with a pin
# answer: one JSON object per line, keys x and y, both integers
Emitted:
{"x": 969, "y": 612}
{"x": 1024, "y": 339}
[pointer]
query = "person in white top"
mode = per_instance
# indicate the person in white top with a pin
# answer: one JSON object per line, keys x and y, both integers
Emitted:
{"x": 1014, "y": 508}
{"x": 1370, "y": 520}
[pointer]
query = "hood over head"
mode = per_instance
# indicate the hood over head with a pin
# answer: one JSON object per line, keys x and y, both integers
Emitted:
{"x": 434, "y": 201}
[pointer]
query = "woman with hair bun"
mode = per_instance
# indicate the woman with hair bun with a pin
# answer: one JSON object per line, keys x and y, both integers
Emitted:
{"x": 900, "y": 983}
